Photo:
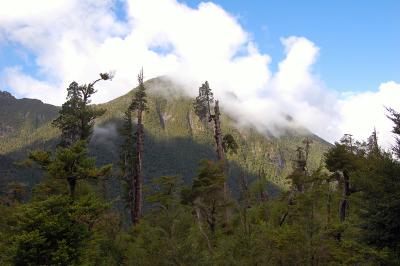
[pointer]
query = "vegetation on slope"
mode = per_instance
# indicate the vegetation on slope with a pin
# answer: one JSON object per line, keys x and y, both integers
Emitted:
{"x": 175, "y": 139}
{"x": 344, "y": 214}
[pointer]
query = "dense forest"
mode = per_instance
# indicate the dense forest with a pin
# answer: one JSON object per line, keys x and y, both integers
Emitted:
{"x": 342, "y": 211}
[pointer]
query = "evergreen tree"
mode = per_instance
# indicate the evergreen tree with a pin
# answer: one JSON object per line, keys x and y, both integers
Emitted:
{"x": 139, "y": 106}
{"x": 342, "y": 160}
{"x": 395, "y": 117}
{"x": 70, "y": 164}
{"x": 53, "y": 231}
{"x": 127, "y": 161}
{"x": 76, "y": 117}
{"x": 378, "y": 180}
{"x": 208, "y": 195}
{"x": 202, "y": 103}
{"x": 299, "y": 177}
{"x": 202, "y": 106}
{"x": 76, "y": 121}
{"x": 372, "y": 145}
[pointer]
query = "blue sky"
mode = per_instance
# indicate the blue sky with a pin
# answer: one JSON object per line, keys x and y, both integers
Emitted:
{"x": 359, "y": 41}
{"x": 339, "y": 61}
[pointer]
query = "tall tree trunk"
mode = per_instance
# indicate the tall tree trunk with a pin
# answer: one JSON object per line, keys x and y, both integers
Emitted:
{"x": 128, "y": 163}
{"x": 218, "y": 137}
{"x": 72, "y": 185}
{"x": 130, "y": 179}
{"x": 290, "y": 203}
{"x": 346, "y": 192}
{"x": 263, "y": 193}
{"x": 131, "y": 196}
{"x": 220, "y": 154}
{"x": 138, "y": 179}
{"x": 129, "y": 167}
{"x": 328, "y": 209}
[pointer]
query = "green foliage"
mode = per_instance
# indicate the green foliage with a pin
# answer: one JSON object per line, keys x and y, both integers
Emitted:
{"x": 229, "y": 144}
{"x": 185, "y": 224}
{"x": 395, "y": 117}
{"x": 173, "y": 124}
{"x": 166, "y": 234}
{"x": 202, "y": 103}
{"x": 209, "y": 180}
{"x": 379, "y": 185}
{"x": 127, "y": 148}
{"x": 139, "y": 101}
{"x": 76, "y": 117}
{"x": 127, "y": 155}
{"x": 70, "y": 164}
{"x": 53, "y": 231}
{"x": 21, "y": 117}
{"x": 339, "y": 158}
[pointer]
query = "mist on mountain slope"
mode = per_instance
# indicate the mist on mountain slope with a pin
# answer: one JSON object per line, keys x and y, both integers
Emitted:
{"x": 77, "y": 40}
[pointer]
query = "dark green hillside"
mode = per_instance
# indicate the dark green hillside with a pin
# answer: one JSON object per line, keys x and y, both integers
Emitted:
{"x": 19, "y": 117}
{"x": 175, "y": 138}
{"x": 24, "y": 124}
{"x": 345, "y": 213}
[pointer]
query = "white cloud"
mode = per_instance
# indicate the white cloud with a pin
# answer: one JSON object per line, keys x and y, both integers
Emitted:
{"x": 28, "y": 86}
{"x": 362, "y": 112}
{"x": 75, "y": 40}
{"x": 22, "y": 11}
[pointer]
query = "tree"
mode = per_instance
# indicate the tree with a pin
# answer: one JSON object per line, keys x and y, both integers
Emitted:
{"x": 70, "y": 164}
{"x": 203, "y": 102}
{"x": 229, "y": 144}
{"x": 76, "y": 117}
{"x": 378, "y": 179}
{"x": 395, "y": 117}
{"x": 15, "y": 194}
{"x": 53, "y": 231}
{"x": 379, "y": 210}
{"x": 166, "y": 234}
{"x": 139, "y": 105}
{"x": 372, "y": 145}
{"x": 342, "y": 160}
{"x": 307, "y": 141}
{"x": 208, "y": 194}
{"x": 202, "y": 106}
{"x": 76, "y": 120}
{"x": 127, "y": 161}
{"x": 299, "y": 176}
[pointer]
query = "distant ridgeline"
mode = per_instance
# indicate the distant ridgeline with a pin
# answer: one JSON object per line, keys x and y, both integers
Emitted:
{"x": 175, "y": 139}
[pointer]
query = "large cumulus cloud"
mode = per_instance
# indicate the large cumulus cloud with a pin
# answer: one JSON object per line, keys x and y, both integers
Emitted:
{"x": 75, "y": 40}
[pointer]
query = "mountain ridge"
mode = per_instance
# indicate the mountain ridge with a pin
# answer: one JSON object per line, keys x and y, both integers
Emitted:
{"x": 175, "y": 139}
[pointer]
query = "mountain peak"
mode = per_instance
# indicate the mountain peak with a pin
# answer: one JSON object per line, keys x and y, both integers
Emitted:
{"x": 6, "y": 95}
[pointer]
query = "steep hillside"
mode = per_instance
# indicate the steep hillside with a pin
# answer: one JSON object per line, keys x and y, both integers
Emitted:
{"x": 175, "y": 139}
{"x": 22, "y": 116}
{"x": 23, "y": 122}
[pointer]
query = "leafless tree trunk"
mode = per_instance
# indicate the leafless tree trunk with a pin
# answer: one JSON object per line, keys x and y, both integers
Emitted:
{"x": 218, "y": 133}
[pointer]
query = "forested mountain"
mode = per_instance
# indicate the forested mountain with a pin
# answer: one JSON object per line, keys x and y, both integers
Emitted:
{"x": 21, "y": 117}
{"x": 187, "y": 187}
{"x": 176, "y": 140}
